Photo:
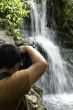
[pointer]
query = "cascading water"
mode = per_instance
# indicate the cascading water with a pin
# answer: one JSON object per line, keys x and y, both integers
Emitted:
{"x": 57, "y": 81}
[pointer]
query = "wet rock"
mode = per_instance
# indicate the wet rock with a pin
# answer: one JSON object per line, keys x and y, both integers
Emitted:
{"x": 34, "y": 100}
{"x": 4, "y": 38}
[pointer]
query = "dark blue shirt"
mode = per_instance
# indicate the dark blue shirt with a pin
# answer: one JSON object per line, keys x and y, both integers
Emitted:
{"x": 3, "y": 75}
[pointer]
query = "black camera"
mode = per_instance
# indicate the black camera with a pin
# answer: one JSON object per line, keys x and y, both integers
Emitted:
{"x": 25, "y": 61}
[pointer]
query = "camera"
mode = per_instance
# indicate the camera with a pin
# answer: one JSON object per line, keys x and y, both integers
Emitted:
{"x": 25, "y": 61}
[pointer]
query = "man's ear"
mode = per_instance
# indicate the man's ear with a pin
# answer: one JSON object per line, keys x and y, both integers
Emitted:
{"x": 14, "y": 68}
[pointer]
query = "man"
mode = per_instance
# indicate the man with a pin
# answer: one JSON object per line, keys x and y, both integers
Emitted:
{"x": 15, "y": 84}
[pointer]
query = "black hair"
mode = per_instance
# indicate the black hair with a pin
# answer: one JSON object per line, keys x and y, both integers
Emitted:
{"x": 9, "y": 55}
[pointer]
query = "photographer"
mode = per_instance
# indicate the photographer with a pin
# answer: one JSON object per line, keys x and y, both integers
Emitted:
{"x": 15, "y": 83}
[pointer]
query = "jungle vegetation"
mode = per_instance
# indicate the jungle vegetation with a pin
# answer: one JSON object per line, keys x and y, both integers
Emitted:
{"x": 11, "y": 15}
{"x": 69, "y": 15}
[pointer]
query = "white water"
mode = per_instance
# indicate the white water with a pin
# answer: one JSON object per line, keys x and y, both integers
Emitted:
{"x": 59, "y": 102}
{"x": 57, "y": 78}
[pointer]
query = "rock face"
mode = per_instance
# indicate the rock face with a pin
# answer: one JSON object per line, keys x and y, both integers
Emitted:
{"x": 4, "y": 38}
{"x": 57, "y": 20}
{"x": 34, "y": 100}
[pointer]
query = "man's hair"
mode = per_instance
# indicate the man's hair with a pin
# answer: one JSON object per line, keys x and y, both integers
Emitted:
{"x": 9, "y": 55}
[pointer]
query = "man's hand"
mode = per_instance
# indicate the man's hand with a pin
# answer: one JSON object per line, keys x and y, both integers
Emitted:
{"x": 22, "y": 49}
{"x": 39, "y": 64}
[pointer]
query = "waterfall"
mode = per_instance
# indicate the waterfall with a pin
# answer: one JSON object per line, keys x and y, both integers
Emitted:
{"x": 38, "y": 19}
{"x": 57, "y": 79}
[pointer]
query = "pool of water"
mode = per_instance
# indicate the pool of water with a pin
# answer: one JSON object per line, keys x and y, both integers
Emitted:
{"x": 58, "y": 102}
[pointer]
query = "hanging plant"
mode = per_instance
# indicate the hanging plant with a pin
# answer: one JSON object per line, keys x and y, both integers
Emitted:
{"x": 11, "y": 15}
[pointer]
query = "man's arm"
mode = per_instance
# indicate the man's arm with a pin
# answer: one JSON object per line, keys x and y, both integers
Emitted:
{"x": 39, "y": 64}
{"x": 19, "y": 83}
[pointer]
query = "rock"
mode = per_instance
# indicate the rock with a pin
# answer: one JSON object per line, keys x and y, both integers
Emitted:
{"x": 34, "y": 100}
{"x": 4, "y": 38}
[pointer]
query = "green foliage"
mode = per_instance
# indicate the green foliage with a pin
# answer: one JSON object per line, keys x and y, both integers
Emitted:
{"x": 11, "y": 15}
{"x": 69, "y": 16}
{"x": 69, "y": 9}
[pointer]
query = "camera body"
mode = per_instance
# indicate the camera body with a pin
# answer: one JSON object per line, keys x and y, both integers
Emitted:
{"x": 25, "y": 61}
